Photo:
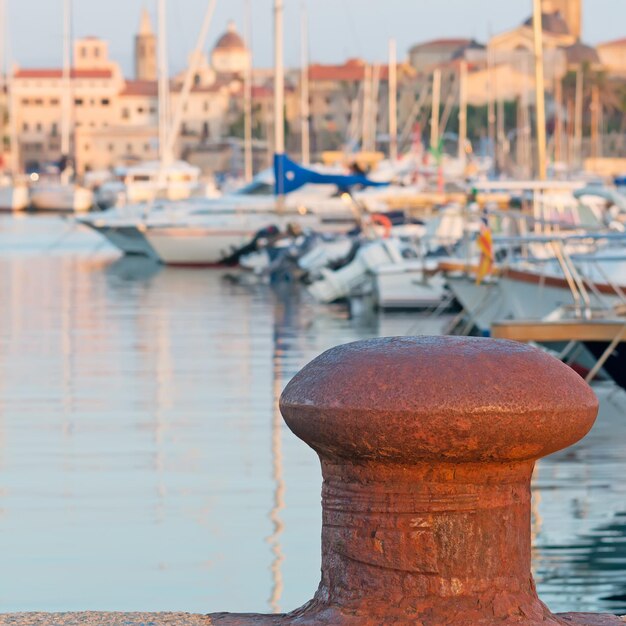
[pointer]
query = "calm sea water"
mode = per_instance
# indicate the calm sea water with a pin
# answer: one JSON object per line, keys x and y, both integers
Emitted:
{"x": 144, "y": 465}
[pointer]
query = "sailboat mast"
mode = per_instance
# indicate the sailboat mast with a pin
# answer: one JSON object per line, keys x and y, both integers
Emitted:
{"x": 578, "y": 117}
{"x": 279, "y": 97}
{"x": 540, "y": 91}
{"x": 434, "y": 122}
{"x": 247, "y": 97}
{"x": 66, "y": 79}
{"x": 279, "y": 79}
{"x": 164, "y": 152}
{"x": 393, "y": 101}
{"x": 463, "y": 111}
{"x": 196, "y": 58}
{"x": 304, "y": 88}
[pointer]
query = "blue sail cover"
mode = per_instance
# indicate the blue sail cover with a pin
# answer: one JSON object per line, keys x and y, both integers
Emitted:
{"x": 291, "y": 176}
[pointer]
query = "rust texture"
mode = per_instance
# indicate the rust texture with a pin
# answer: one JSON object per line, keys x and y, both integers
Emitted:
{"x": 427, "y": 448}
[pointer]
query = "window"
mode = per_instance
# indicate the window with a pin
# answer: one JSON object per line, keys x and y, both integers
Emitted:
{"x": 206, "y": 107}
{"x": 86, "y": 147}
{"x": 25, "y": 127}
{"x": 83, "y": 52}
{"x": 146, "y": 147}
{"x": 38, "y": 102}
{"x": 140, "y": 110}
{"x": 25, "y": 102}
{"x": 78, "y": 102}
{"x": 129, "y": 148}
{"x": 125, "y": 113}
{"x": 38, "y": 127}
{"x": 54, "y": 102}
{"x": 105, "y": 102}
{"x": 96, "y": 53}
{"x": 111, "y": 147}
{"x": 54, "y": 131}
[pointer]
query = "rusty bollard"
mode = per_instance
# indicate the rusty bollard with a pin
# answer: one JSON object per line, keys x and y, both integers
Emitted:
{"x": 427, "y": 448}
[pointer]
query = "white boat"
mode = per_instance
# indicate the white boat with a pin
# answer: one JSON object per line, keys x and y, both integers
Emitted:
{"x": 62, "y": 197}
{"x": 153, "y": 180}
{"x": 379, "y": 268}
{"x": 13, "y": 197}
{"x": 410, "y": 284}
{"x": 211, "y": 240}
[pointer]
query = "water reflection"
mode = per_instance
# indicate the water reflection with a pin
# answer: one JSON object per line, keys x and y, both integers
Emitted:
{"x": 143, "y": 461}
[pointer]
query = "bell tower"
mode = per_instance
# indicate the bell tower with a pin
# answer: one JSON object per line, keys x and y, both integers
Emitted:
{"x": 572, "y": 12}
{"x": 145, "y": 49}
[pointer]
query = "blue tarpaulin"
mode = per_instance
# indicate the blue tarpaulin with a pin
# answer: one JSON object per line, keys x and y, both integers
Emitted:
{"x": 291, "y": 176}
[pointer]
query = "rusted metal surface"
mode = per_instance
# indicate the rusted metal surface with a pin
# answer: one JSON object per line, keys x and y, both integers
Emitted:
{"x": 427, "y": 448}
{"x": 186, "y": 619}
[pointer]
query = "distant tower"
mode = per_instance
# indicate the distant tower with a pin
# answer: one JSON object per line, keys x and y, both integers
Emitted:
{"x": 145, "y": 50}
{"x": 571, "y": 10}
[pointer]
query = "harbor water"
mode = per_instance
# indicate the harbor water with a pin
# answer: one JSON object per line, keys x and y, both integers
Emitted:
{"x": 143, "y": 461}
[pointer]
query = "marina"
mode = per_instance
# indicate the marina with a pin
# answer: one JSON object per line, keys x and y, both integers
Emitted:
{"x": 142, "y": 450}
{"x": 223, "y": 284}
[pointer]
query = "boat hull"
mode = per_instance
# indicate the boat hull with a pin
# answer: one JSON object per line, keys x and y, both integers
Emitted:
{"x": 196, "y": 246}
{"x": 62, "y": 198}
{"x": 14, "y": 198}
{"x": 408, "y": 287}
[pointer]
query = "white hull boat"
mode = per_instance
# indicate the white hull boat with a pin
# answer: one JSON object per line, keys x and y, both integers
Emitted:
{"x": 411, "y": 284}
{"x": 14, "y": 197}
{"x": 59, "y": 197}
{"x": 212, "y": 240}
{"x": 484, "y": 303}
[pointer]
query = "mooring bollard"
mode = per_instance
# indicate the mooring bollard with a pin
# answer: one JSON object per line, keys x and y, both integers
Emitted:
{"x": 427, "y": 448}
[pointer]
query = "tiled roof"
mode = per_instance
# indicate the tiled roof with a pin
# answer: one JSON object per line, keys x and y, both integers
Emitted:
{"x": 443, "y": 43}
{"x": 618, "y": 43}
{"x": 352, "y": 71}
{"x": 53, "y": 73}
{"x": 140, "y": 88}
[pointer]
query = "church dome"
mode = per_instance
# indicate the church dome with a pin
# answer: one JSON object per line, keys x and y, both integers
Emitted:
{"x": 230, "y": 55}
{"x": 230, "y": 40}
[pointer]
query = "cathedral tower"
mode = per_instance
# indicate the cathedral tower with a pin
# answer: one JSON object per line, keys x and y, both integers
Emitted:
{"x": 571, "y": 10}
{"x": 145, "y": 50}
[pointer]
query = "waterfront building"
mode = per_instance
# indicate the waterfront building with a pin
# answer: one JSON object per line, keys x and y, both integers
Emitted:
{"x": 115, "y": 120}
{"x": 613, "y": 56}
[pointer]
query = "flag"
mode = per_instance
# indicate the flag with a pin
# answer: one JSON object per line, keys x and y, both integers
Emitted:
{"x": 485, "y": 245}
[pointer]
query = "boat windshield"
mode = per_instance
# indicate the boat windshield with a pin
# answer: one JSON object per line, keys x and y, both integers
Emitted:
{"x": 257, "y": 188}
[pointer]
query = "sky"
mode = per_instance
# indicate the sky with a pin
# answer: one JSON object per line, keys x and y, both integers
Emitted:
{"x": 339, "y": 29}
